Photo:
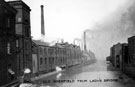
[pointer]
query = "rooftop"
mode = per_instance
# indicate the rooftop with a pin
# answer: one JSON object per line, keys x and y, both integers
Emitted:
{"x": 39, "y": 42}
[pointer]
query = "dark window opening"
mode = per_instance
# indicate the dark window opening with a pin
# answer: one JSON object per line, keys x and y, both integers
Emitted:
{"x": 41, "y": 61}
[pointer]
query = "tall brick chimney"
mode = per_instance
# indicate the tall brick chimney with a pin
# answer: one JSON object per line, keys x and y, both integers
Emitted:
{"x": 85, "y": 47}
{"x": 42, "y": 21}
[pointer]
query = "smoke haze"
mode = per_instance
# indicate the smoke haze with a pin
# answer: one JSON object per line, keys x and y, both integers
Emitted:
{"x": 117, "y": 27}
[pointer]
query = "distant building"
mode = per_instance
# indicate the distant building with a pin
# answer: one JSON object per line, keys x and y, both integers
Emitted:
{"x": 40, "y": 55}
{"x": 7, "y": 43}
{"x": 125, "y": 54}
{"x": 112, "y": 55}
{"x": 108, "y": 58}
{"x": 74, "y": 53}
{"x": 131, "y": 48}
{"x": 119, "y": 55}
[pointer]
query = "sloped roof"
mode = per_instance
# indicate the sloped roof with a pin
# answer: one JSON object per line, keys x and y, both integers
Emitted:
{"x": 39, "y": 42}
{"x": 59, "y": 46}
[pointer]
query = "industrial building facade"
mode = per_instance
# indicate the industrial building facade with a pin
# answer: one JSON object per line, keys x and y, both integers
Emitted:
{"x": 23, "y": 33}
{"x": 15, "y": 40}
{"x": 131, "y": 47}
{"x": 119, "y": 55}
{"x": 18, "y": 51}
{"x": 123, "y": 55}
{"x": 7, "y": 42}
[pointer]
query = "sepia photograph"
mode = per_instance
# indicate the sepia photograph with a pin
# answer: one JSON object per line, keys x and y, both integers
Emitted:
{"x": 67, "y": 43}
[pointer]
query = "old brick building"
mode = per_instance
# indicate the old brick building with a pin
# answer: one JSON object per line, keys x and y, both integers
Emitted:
{"x": 23, "y": 32}
{"x": 119, "y": 55}
{"x": 125, "y": 54}
{"x": 8, "y": 57}
{"x": 131, "y": 48}
{"x": 15, "y": 39}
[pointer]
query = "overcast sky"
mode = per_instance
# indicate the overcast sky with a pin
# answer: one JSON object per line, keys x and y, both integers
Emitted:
{"x": 69, "y": 18}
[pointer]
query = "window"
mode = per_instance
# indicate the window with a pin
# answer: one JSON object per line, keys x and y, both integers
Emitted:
{"x": 26, "y": 31}
{"x": 41, "y": 61}
{"x": 50, "y": 60}
{"x": 45, "y": 60}
{"x": 40, "y": 50}
{"x": 26, "y": 22}
{"x": 17, "y": 43}
{"x": 8, "y": 22}
{"x": 45, "y": 51}
{"x": 19, "y": 19}
{"x": 8, "y": 48}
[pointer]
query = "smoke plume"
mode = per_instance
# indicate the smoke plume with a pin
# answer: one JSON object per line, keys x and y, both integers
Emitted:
{"x": 117, "y": 27}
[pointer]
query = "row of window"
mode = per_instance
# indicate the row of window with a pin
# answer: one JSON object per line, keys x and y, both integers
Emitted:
{"x": 51, "y": 60}
{"x": 52, "y": 51}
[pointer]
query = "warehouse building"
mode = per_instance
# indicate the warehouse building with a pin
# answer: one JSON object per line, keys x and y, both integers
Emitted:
{"x": 131, "y": 48}
{"x": 119, "y": 55}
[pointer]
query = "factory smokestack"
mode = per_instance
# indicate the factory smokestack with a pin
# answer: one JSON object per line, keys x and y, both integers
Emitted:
{"x": 85, "y": 48}
{"x": 42, "y": 21}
